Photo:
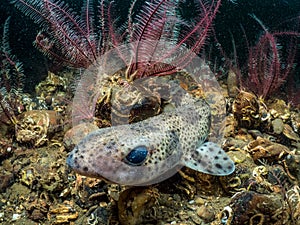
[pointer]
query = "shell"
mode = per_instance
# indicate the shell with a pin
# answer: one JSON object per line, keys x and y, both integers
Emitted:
{"x": 63, "y": 213}
{"x": 279, "y": 109}
{"x": 263, "y": 148}
{"x": 295, "y": 121}
{"x": 289, "y": 133}
{"x": 248, "y": 207}
{"x": 36, "y": 126}
{"x": 245, "y": 109}
{"x": 51, "y": 84}
{"x": 232, "y": 84}
{"x": 293, "y": 198}
{"x": 120, "y": 103}
{"x": 135, "y": 203}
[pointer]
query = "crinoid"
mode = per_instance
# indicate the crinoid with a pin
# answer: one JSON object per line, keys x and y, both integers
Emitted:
{"x": 270, "y": 64}
{"x": 66, "y": 36}
{"x": 155, "y": 41}
{"x": 78, "y": 40}
{"x": 11, "y": 79}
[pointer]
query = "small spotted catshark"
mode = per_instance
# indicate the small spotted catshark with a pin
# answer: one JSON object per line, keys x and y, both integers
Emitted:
{"x": 154, "y": 149}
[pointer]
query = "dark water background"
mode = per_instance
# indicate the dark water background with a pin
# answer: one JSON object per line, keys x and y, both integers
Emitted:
{"x": 277, "y": 15}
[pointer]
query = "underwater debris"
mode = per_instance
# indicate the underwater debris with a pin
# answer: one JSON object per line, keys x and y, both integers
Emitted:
{"x": 292, "y": 165}
{"x": 293, "y": 199}
{"x": 274, "y": 117}
{"x": 135, "y": 204}
{"x": 246, "y": 110}
{"x": 232, "y": 84}
{"x": 52, "y": 85}
{"x": 62, "y": 213}
{"x": 263, "y": 148}
{"x": 206, "y": 213}
{"x": 36, "y": 126}
{"x": 248, "y": 207}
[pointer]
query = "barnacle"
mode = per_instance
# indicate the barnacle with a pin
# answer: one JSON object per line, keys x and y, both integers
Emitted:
{"x": 226, "y": 216}
{"x": 231, "y": 184}
{"x": 187, "y": 188}
{"x": 234, "y": 182}
{"x": 93, "y": 219}
{"x": 260, "y": 179}
{"x": 259, "y": 171}
{"x": 134, "y": 103}
{"x": 28, "y": 176}
{"x": 257, "y": 219}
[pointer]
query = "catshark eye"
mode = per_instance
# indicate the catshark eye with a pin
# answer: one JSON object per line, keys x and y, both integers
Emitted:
{"x": 136, "y": 156}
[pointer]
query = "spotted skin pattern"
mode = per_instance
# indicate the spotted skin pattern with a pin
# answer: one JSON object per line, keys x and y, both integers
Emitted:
{"x": 172, "y": 139}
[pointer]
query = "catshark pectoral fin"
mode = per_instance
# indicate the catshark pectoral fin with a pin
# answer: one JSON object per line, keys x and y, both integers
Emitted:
{"x": 210, "y": 158}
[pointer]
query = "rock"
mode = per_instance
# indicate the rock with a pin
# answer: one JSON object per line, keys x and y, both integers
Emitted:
{"x": 206, "y": 213}
{"x": 277, "y": 125}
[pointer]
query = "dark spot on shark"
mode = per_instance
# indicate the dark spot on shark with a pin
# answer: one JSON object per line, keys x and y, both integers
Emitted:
{"x": 218, "y": 165}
